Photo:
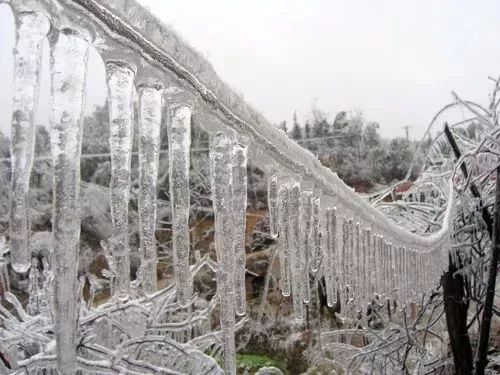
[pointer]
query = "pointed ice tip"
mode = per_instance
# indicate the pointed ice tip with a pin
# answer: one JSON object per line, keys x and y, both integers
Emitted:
{"x": 21, "y": 267}
{"x": 331, "y": 304}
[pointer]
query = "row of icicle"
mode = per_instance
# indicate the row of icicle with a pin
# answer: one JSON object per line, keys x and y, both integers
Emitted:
{"x": 69, "y": 57}
{"x": 358, "y": 263}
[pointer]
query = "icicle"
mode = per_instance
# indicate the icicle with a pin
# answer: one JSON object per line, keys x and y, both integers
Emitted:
{"x": 402, "y": 277}
{"x": 420, "y": 283}
{"x": 405, "y": 276}
{"x": 387, "y": 280}
{"x": 306, "y": 218}
{"x": 364, "y": 269}
{"x": 329, "y": 255}
{"x": 283, "y": 238}
{"x": 294, "y": 241}
{"x": 4, "y": 272}
{"x": 221, "y": 181}
{"x": 179, "y": 144}
{"x": 69, "y": 57}
{"x": 397, "y": 275}
{"x": 378, "y": 264}
{"x": 351, "y": 259}
{"x": 357, "y": 264}
{"x": 46, "y": 292}
{"x": 33, "y": 307}
{"x": 383, "y": 259}
{"x": 150, "y": 116}
{"x": 120, "y": 80}
{"x": 391, "y": 272}
{"x": 240, "y": 211}
{"x": 344, "y": 263}
{"x": 32, "y": 28}
{"x": 369, "y": 266}
{"x": 373, "y": 273}
{"x": 315, "y": 257}
{"x": 408, "y": 276}
{"x": 412, "y": 275}
{"x": 272, "y": 199}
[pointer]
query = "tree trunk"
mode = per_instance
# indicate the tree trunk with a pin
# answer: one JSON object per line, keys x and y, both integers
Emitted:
{"x": 484, "y": 335}
{"x": 456, "y": 306}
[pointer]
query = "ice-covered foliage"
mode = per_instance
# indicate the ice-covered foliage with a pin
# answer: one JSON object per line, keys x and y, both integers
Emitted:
{"x": 414, "y": 338}
{"x": 152, "y": 334}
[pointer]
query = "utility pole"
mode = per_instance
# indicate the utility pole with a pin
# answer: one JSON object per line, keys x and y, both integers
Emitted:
{"x": 407, "y": 130}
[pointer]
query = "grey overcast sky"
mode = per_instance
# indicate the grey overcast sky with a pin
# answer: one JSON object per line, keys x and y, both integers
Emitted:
{"x": 395, "y": 60}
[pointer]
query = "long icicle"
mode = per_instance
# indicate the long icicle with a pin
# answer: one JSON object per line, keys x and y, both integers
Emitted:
{"x": 31, "y": 29}
{"x": 351, "y": 264}
{"x": 369, "y": 264}
{"x": 239, "y": 210}
{"x": 272, "y": 203}
{"x": 306, "y": 218}
{"x": 150, "y": 117}
{"x": 344, "y": 295}
{"x": 357, "y": 266}
{"x": 339, "y": 270}
{"x": 364, "y": 271}
{"x": 295, "y": 252}
{"x": 329, "y": 255}
{"x": 221, "y": 182}
{"x": 120, "y": 80}
{"x": 283, "y": 239}
{"x": 69, "y": 58}
{"x": 179, "y": 145}
{"x": 315, "y": 256}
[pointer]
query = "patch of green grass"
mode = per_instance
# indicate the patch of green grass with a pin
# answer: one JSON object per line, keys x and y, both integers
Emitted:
{"x": 253, "y": 362}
